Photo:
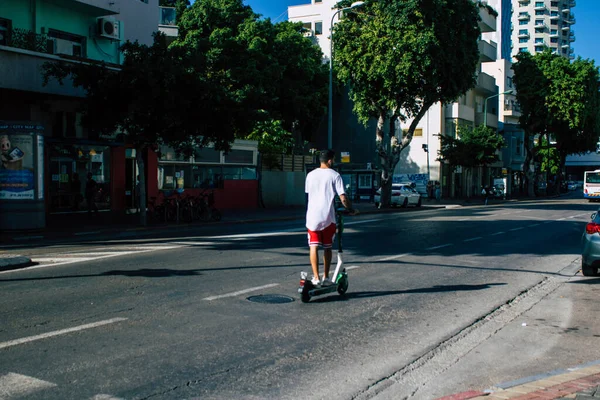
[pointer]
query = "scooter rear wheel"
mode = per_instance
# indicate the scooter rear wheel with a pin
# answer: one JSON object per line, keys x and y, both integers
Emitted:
{"x": 305, "y": 296}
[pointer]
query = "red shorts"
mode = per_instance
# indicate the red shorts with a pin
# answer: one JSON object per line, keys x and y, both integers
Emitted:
{"x": 322, "y": 238}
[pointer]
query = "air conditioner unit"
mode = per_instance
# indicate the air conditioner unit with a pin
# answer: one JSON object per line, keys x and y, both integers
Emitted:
{"x": 108, "y": 28}
{"x": 307, "y": 34}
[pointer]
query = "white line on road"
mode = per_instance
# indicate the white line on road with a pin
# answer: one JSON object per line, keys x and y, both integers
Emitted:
{"x": 532, "y": 225}
{"x": 394, "y": 257}
{"x": 498, "y": 233}
{"x": 59, "y": 332}
{"x": 439, "y": 247}
{"x": 472, "y": 239}
{"x": 352, "y": 267}
{"x": 14, "y": 386}
{"x": 515, "y": 229}
{"x": 241, "y": 292}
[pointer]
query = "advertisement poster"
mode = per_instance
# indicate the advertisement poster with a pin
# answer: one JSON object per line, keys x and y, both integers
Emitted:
{"x": 17, "y": 161}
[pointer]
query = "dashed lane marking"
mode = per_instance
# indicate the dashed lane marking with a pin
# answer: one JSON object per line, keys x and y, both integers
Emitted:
{"x": 473, "y": 239}
{"x": 439, "y": 247}
{"x": 233, "y": 294}
{"x": 394, "y": 257}
{"x": 46, "y": 335}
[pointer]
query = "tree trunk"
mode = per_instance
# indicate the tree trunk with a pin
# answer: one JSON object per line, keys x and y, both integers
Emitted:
{"x": 386, "y": 175}
{"x": 142, "y": 173}
{"x": 529, "y": 172}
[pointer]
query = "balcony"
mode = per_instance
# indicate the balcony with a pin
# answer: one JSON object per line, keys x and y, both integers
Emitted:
{"x": 96, "y": 8}
{"x": 540, "y": 28}
{"x": 523, "y": 2}
{"x": 524, "y": 35}
{"x": 488, "y": 21}
{"x": 487, "y": 51}
{"x": 486, "y": 84}
{"x": 540, "y": 8}
{"x": 524, "y": 17}
{"x": 570, "y": 19}
{"x": 566, "y": 27}
{"x": 28, "y": 40}
{"x": 167, "y": 18}
{"x": 553, "y": 34}
{"x": 460, "y": 111}
{"x": 572, "y": 3}
{"x": 554, "y": 17}
{"x": 512, "y": 109}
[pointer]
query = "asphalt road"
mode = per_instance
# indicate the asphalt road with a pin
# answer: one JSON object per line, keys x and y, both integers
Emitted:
{"x": 170, "y": 318}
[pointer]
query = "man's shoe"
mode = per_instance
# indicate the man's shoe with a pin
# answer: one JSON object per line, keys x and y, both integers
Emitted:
{"x": 326, "y": 282}
{"x": 316, "y": 281}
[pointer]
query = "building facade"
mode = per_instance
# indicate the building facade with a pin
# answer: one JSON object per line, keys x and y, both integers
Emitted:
{"x": 542, "y": 24}
{"x": 35, "y": 32}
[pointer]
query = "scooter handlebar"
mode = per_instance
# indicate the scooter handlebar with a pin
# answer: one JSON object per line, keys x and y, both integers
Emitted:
{"x": 346, "y": 211}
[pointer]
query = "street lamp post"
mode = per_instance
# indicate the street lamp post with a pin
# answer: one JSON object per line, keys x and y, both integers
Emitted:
{"x": 330, "y": 105}
{"x": 485, "y": 105}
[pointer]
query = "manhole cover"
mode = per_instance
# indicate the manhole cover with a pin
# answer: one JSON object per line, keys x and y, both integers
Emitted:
{"x": 271, "y": 299}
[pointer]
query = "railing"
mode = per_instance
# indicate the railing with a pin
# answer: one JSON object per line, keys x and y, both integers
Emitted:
{"x": 28, "y": 40}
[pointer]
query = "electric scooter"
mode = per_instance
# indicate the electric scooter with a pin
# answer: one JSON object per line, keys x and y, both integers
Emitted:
{"x": 340, "y": 276}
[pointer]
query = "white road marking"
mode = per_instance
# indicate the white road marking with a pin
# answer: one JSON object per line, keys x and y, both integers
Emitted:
{"x": 241, "y": 292}
{"x": 394, "y": 257}
{"x": 498, "y": 233}
{"x": 13, "y": 386}
{"x": 472, "y": 239}
{"x": 105, "y": 397}
{"x": 464, "y": 219}
{"x": 352, "y": 267}
{"x": 438, "y": 247}
{"x": 515, "y": 229}
{"x": 28, "y": 339}
{"x": 561, "y": 219}
{"x": 532, "y": 225}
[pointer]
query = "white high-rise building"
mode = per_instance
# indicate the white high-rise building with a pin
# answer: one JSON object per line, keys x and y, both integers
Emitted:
{"x": 542, "y": 24}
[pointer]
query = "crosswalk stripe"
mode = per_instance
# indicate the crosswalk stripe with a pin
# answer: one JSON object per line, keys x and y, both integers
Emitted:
{"x": 13, "y": 386}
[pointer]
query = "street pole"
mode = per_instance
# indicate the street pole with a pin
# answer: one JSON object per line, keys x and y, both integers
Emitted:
{"x": 330, "y": 105}
{"x": 485, "y": 105}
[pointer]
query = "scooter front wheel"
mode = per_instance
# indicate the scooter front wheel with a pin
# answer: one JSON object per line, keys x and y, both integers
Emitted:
{"x": 342, "y": 284}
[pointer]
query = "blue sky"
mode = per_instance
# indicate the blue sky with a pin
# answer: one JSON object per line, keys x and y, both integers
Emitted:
{"x": 586, "y": 28}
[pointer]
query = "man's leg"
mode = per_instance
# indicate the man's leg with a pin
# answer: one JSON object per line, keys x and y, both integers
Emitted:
{"x": 314, "y": 260}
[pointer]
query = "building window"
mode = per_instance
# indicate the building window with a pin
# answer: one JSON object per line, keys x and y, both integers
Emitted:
{"x": 540, "y": 12}
{"x": 239, "y": 157}
{"x": 553, "y": 40}
{"x": 539, "y": 4}
{"x": 523, "y": 49}
{"x": 365, "y": 181}
{"x": 5, "y": 25}
{"x": 523, "y": 40}
{"x": 318, "y": 1}
{"x": 318, "y": 28}
{"x": 539, "y": 49}
{"x": 539, "y": 40}
{"x": 523, "y": 31}
{"x": 554, "y": 22}
{"x": 523, "y": 22}
{"x": 539, "y": 22}
{"x": 66, "y": 43}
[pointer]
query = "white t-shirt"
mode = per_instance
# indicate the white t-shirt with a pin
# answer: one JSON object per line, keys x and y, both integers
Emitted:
{"x": 322, "y": 184}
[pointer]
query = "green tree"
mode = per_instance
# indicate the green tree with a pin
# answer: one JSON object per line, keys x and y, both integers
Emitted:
{"x": 395, "y": 58}
{"x": 268, "y": 73}
{"x": 473, "y": 147}
{"x": 559, "y": 100}
{"x": 147, "y": 99}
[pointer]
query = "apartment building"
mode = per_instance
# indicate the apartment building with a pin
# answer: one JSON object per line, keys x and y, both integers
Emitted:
{"x": 542, "y": 24}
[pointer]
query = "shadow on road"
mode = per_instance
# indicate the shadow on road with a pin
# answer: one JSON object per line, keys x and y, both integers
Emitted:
{"x": 434, "y": 289}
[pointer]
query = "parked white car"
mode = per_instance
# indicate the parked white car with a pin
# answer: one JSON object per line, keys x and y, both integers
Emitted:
{"x": 402, "y": 195}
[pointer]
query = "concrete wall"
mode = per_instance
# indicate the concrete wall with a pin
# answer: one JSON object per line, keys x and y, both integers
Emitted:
{"x": 283, "y": 188}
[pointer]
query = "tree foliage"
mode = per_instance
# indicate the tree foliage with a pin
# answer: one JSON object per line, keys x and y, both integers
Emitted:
{"x": 264, "y": 71}
{"x": 395, "y": 58}
{"x": 559, "y": 99}
{"x": 473, "y": 147}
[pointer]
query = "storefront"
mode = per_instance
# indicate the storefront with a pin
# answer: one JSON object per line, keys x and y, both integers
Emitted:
{"x": 231, "y": 176}
{"x": 69, "y": 166}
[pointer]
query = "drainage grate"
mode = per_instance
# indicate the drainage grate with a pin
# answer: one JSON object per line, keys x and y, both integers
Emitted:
{"x": 271, "y": 299}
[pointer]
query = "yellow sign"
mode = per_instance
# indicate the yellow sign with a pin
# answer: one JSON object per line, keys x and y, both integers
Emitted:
{"x": 345, "y": 157}
{"x": 504, "y": 171}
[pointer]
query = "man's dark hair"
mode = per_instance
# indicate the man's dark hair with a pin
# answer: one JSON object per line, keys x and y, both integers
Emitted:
{"x": 326, "y": 155}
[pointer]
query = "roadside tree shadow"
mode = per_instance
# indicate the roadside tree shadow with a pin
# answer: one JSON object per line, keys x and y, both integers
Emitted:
{"x": 145, "y": 272}
{"x": 433, "y": 289}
